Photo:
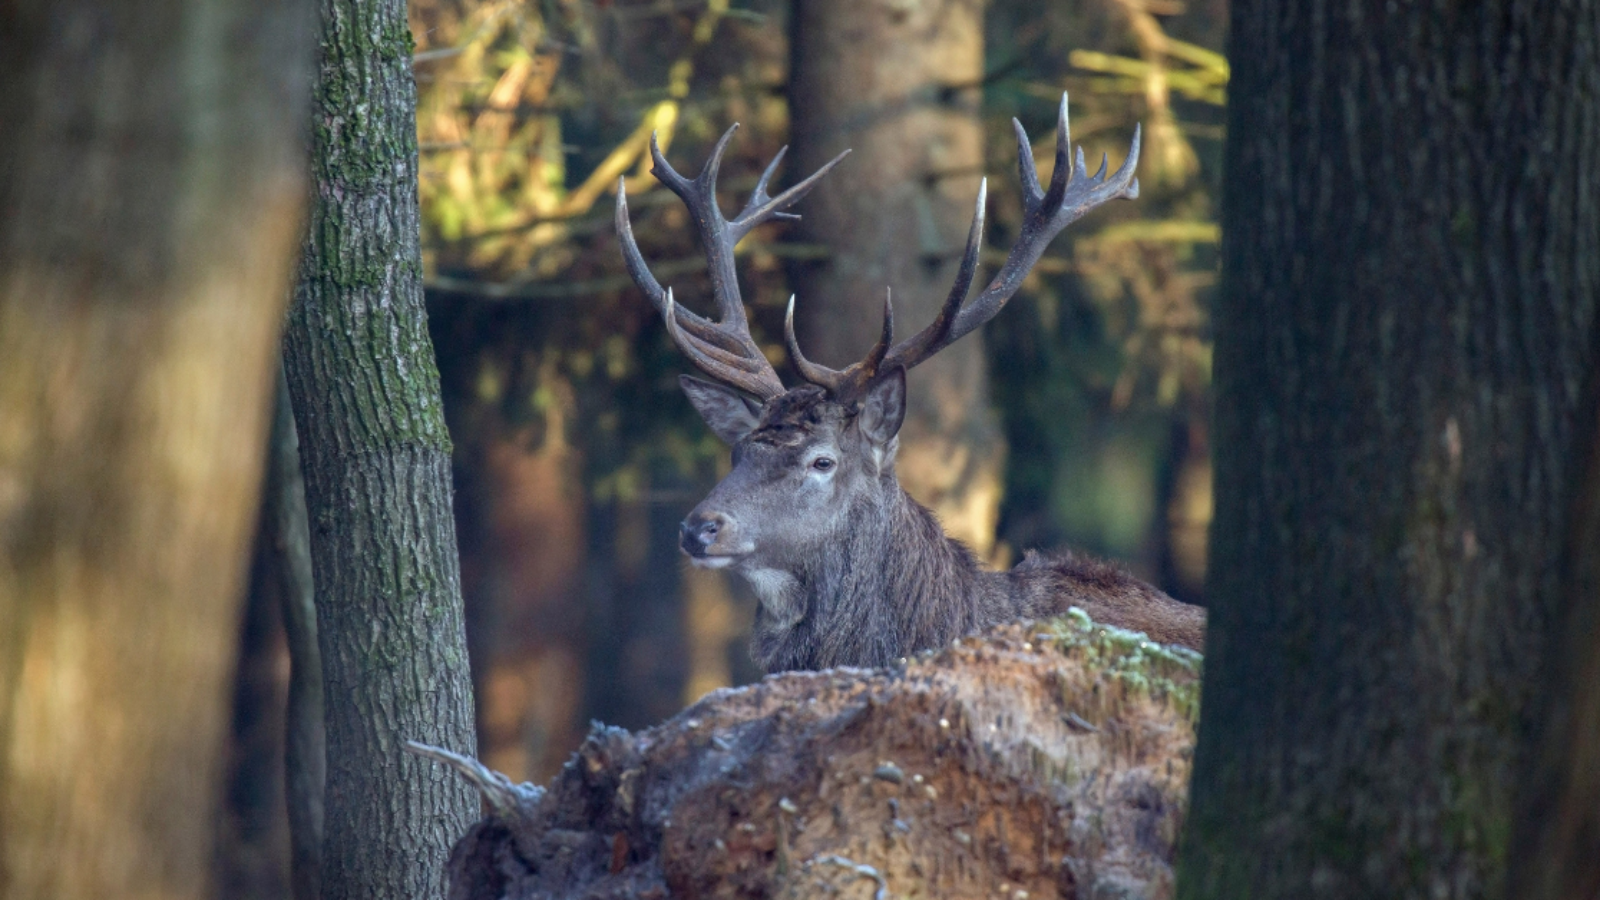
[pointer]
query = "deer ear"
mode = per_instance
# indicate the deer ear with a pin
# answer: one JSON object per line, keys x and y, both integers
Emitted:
{"x": 730, "y": 414}
{"x": 884, "y": 407}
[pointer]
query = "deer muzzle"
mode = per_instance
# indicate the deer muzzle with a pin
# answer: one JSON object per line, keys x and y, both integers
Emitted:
{"x": 710, "y": 539}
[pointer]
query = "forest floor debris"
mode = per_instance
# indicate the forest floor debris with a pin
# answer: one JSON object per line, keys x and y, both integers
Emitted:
{"x": 1036, "y": 760}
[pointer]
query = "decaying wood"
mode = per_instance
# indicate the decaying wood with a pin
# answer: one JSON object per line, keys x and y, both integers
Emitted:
{"x": 1039, "y": 760}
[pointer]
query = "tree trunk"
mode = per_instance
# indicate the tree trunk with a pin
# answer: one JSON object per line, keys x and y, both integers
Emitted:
{"x": 151, "y": 185}
{"x": 376, "y": 460}
{"x": 897, "y": 83}
{"x": 1407, "y": 316}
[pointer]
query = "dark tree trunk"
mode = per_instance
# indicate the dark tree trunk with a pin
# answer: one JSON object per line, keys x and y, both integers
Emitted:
{"x": 286, "y": 540}
{"x": 253, "y": 834}
{"x": 1407, "y": 317}
{"x": 151, "y": 185}
{"x": 376, "y": 461}
{"x": 896, "y": 83}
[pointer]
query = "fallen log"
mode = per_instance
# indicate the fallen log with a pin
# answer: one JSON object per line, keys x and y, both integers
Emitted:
{"x": 1037, "y": 760}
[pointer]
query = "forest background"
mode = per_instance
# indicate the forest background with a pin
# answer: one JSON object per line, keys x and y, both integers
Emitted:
{"x": 575, "y": 454}
{"x": 1077, "y": 418}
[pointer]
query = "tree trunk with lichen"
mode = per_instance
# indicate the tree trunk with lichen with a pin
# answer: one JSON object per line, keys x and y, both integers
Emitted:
{"x": 151, "y": 185}
{"x": 1411, "y": 259}
{"x": 376, "y": 461}
{"x": 897, "y": 82}
{"x": 1038, "y": 760}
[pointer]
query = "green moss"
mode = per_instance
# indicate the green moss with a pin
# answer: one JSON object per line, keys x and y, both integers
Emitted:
{"x": 1128, "y": 657}
{"x": 360, "y": 136}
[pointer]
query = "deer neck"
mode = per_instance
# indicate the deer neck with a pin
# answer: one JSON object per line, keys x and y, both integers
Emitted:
{"x": 893, "y": 583}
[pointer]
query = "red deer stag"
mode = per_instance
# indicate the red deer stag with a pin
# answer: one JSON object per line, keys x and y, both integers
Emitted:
{"x": 848, "y": 568}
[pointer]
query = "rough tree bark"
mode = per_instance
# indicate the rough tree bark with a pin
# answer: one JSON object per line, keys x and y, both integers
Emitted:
{"x": 897, "y": 83}
{"x": 1411, "y": 256}
{"x": 376, "y": 460}
{"x": 151, "y": 185}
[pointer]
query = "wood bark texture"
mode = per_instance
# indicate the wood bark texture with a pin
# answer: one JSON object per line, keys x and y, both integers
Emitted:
{"x": 1034, "y": 761}
{"x": 376, "y": 460}
{"x": 896, "y": 83}
{"x": 151, "y": 186}
{"x": 1406, "y": 322}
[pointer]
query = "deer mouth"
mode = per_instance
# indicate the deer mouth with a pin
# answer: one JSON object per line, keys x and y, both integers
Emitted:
{"x": 715, "y": 557}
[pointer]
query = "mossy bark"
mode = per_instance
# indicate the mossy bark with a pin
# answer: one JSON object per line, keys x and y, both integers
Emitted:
{"x": 151, "y": 185}
{"x": 1411, "y": 257}
{"x": 896, "y": 83}
{"x": 377, "y": 472}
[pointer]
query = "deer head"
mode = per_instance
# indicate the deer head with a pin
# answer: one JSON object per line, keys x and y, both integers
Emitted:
{"x": 812, "y": 463}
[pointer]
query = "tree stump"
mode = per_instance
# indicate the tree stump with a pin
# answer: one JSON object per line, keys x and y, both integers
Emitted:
{"x": 1037, "y": 760}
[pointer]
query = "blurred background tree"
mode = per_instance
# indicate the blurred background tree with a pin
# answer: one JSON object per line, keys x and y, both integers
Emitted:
{"x": 576, "y": 455}
{"x": 151, "y": 188}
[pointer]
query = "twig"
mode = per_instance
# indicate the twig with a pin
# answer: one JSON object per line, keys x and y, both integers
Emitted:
{"x": 504, "y": 797}
{"x": 304, "y": 763}
{"x": 535, "y": 290}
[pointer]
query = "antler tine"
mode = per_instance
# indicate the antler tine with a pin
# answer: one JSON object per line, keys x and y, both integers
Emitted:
{"x": 663, "y": 170}
{"x": 1072, "y": 195}
{"x": 847, "y": 384}
{"x": 823, "y": 376}
{"x": 870, "y": 367}
{"x": 713, "y": 166}
{"x": 927, "y": 341}
{"x": 1027, "y": 172}
{"x": 762, "y": 208}
{"x": 1061, "y": 175}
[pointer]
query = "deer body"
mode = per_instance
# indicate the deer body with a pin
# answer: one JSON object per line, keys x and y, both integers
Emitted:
{"x": 897, "y": 584}
{"x": 849, "y": 569}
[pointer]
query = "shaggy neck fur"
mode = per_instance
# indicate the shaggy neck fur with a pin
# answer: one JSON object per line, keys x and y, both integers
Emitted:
{"x": 894, "y": 584}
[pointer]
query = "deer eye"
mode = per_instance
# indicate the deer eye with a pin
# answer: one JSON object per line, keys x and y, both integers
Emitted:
{"x": 823, "y": 464}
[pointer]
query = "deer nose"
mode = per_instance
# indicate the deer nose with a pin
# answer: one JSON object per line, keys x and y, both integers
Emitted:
{"x": 699, "y": 531}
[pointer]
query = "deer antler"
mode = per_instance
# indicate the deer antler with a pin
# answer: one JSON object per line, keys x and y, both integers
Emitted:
{"x": 723, "y": 349}
{"x": 1073, "y": 192}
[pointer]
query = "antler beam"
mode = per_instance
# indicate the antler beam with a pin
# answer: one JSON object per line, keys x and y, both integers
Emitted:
{"x": 722, "y": 349}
